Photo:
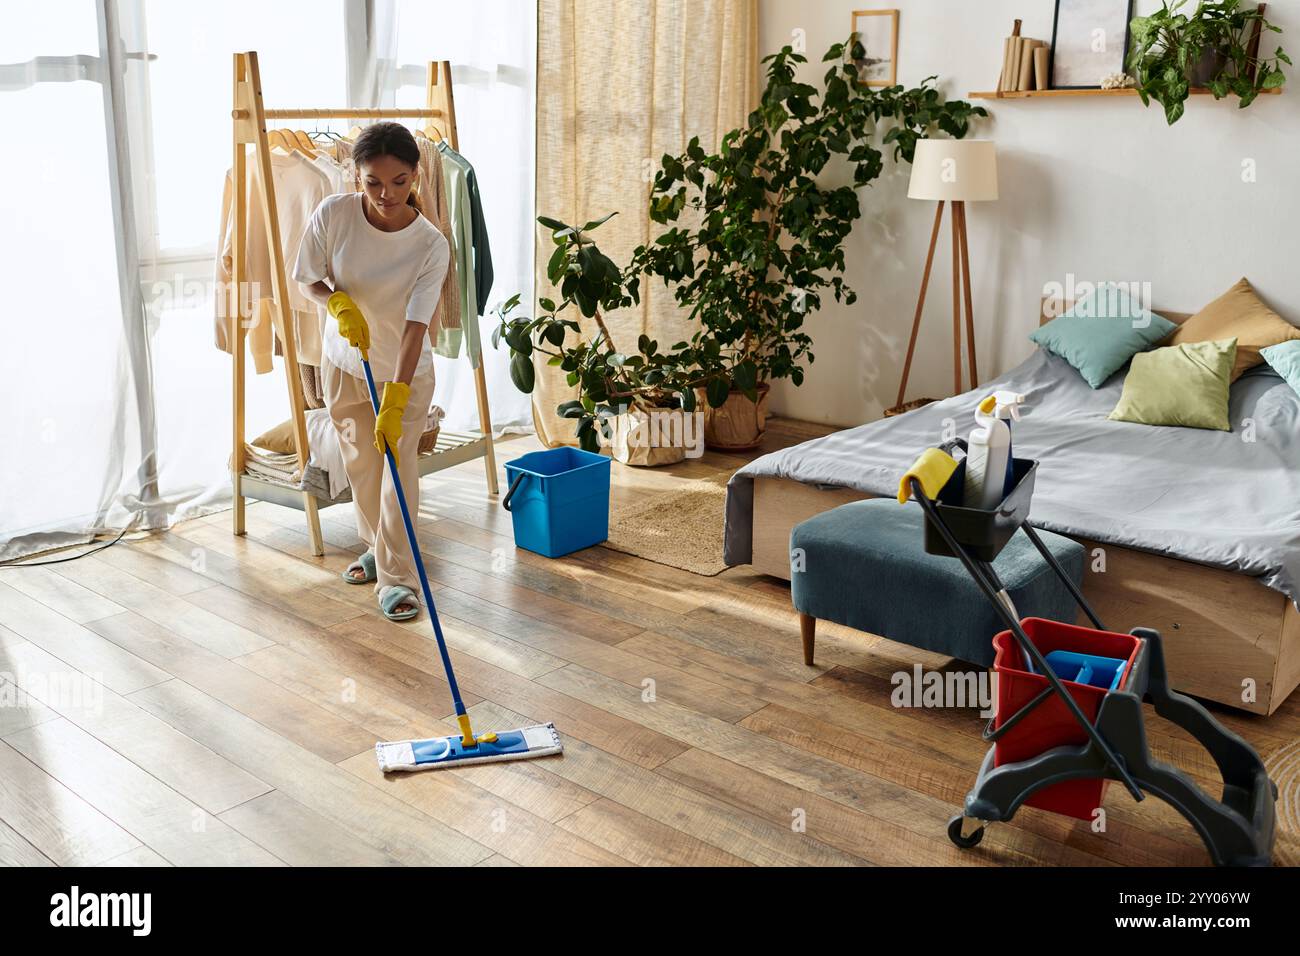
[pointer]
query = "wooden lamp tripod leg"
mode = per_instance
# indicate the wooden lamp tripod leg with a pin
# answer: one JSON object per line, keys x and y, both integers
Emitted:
{"x": 956, "y": 297}
{"x": 960, "y": 209}
{"x": 920, "y": 305}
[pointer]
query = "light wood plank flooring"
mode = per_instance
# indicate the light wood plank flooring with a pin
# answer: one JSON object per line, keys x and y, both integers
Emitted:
{"x": 196, "y": 698}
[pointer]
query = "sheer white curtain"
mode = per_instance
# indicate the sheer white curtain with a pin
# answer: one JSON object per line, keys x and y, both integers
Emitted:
{"x": 492, "y": 49}
{"x": 70, "y": 432}
{"x": 117, "y": 402}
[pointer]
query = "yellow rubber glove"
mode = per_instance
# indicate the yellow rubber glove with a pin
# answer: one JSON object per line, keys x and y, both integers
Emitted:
{"x": 388, "y": 423}
{"x": 352, "y": 324}
{"x": 933, "y": 468}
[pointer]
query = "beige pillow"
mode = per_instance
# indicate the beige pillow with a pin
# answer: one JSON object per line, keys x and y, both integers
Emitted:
{"x": 278, "y": 439}
{"x": 1237, "y": 314}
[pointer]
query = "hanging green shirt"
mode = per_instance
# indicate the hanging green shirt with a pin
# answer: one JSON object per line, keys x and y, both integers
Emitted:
{"x": 455, "y": 172}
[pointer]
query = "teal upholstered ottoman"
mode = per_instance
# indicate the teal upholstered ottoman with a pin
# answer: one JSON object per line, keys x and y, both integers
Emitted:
{"x": 864, "y": 565}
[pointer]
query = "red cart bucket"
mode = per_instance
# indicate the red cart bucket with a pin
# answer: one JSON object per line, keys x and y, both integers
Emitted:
{"x": 1051, "y": 724}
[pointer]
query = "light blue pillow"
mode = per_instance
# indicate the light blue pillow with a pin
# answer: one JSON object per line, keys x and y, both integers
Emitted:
{"x": 1101, "y": 332}
{"x": 1285, "y": 359}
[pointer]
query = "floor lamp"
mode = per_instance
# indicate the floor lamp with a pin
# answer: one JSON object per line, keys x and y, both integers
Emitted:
{"x": 955, "y": 171}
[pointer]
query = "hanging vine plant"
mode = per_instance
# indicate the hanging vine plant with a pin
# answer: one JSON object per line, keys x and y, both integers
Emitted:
{"x": 1171, "y": 48}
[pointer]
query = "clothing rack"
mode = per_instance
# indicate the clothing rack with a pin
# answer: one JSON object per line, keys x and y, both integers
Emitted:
{"x": 250, "y": 116}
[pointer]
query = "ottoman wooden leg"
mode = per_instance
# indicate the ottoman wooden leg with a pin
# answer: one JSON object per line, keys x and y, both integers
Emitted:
{"x": 807, "y": 631}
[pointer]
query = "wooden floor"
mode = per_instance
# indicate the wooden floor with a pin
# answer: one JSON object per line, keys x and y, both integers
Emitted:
{"x": 196, "y": 698}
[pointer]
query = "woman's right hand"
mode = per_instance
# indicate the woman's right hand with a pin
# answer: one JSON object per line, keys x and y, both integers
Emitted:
{"x": 352, "y": 324}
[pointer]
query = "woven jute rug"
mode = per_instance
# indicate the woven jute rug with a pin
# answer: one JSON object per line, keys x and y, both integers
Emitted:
{"x": 681, "y": 528}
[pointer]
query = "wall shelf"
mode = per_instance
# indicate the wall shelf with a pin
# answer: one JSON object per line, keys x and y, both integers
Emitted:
{"x": 1027, "y": 94}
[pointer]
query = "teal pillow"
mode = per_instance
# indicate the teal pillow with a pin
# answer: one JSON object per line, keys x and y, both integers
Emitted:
{"x": 1101, "y": 332}
{"x": 1185, "y": 385}
{"x": 1285, "y": 359}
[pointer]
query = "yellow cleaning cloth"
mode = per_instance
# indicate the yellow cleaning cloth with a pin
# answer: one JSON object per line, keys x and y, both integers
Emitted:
{"x": 933, "y": 469}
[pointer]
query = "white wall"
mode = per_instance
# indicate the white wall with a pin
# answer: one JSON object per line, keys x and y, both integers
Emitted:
{"x": 1098, "y": 187}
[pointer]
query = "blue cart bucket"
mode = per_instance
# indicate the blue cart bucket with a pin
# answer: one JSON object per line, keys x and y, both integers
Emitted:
{"x": 559, "y": 500}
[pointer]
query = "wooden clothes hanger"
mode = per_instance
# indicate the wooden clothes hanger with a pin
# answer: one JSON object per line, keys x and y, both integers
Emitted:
{"x": 287, "y": 140}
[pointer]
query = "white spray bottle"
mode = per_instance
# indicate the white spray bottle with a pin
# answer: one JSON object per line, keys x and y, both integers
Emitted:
{"x": 988, "y": 453}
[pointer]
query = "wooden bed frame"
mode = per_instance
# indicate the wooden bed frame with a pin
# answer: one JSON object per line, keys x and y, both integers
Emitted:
{"x": 1219, "y": 627}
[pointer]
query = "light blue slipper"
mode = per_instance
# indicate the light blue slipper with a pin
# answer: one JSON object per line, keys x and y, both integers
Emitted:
{"x": 395, "y": 595}
{"x": 364, "y": 563}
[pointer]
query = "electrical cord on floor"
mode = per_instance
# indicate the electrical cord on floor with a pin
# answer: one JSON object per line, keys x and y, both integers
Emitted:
{"x": 19, "y": 563}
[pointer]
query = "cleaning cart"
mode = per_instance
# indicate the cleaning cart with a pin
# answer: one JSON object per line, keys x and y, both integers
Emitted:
{"x": 1056, "y": 741}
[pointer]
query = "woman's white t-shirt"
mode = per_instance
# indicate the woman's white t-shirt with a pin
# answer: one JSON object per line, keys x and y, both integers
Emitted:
{"x": 393, "y": 277}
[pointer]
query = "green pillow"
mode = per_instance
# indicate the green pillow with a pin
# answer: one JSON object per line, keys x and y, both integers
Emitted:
{"x": 1180, "y": 385}
{"x": 1285, "y": 359}
{"x": 1101, "y": 332}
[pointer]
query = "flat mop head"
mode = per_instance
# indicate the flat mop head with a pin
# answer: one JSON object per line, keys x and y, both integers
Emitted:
{"x": 436, "y": 753}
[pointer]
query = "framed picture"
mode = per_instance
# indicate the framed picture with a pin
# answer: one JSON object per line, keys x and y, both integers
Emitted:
{"x": 1089, "y": 40}
{"x": 877, "y": 31}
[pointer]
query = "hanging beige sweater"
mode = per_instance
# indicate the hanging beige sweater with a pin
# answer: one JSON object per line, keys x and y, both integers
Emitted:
{"x": 299, "y": 188}
{"x": 258, "y": 315}
{"x": 433, "y": 196}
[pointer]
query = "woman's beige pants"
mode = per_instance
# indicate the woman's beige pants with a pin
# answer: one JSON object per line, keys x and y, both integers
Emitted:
{"x": 379, "y": 519}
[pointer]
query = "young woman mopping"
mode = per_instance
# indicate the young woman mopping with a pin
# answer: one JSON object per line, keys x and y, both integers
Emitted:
{"x": 377, "y": 265}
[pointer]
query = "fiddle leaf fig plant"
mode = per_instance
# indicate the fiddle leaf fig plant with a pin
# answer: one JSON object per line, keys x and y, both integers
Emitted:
{"x": 1170, "y": 48}
{"x": 771, "y": 210}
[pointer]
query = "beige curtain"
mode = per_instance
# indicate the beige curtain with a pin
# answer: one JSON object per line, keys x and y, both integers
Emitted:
{"x": 620, "y": 83}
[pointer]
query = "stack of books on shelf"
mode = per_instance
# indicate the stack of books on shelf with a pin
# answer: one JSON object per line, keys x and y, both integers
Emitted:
{"x": 1024, "y": 63}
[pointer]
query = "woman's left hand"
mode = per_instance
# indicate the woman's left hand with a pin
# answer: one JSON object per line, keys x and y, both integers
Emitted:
{"x": 388, "y": 423}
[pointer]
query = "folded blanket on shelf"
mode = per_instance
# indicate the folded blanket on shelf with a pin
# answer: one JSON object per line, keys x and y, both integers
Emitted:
{"x": 272, "y": 456}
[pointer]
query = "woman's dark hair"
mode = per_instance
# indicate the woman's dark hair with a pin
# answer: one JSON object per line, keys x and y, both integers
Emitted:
{"x": 388, "y": 139}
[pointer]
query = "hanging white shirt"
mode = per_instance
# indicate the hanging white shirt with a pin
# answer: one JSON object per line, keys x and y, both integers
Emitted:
{"x": 394, "y": 277}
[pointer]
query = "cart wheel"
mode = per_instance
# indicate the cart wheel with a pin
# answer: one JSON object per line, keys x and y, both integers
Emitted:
{"x": 965, "y": 842}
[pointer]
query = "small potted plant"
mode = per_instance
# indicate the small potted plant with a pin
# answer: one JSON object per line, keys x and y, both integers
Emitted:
{"x": 1215, "y": 47}
{"x": 637, "y": 403}
{"x": 766, "y": 219}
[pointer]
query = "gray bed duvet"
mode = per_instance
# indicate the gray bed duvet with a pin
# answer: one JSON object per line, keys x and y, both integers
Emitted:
{"x": 1226, "y": 499}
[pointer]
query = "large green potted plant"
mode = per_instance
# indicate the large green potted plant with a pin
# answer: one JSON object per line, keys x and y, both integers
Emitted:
{"x": 635, "y": 401}
{"x": 1213, "y": 47}
{"x": 765, "y": 221}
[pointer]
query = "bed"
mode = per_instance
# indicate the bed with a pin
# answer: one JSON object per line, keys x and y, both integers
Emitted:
{"x": 1193, "y": 532}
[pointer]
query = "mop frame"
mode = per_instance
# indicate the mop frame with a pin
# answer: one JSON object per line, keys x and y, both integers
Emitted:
{"x": 1237, "y": 829}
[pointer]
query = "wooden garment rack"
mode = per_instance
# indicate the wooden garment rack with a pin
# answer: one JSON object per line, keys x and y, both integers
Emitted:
{"x": 250, "y": 116}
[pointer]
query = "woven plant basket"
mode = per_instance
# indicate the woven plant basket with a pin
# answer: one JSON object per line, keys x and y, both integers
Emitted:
{"x": 739, "y": 424}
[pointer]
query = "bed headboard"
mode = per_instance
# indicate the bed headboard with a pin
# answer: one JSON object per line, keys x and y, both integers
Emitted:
{"x": 1050, "y": 307}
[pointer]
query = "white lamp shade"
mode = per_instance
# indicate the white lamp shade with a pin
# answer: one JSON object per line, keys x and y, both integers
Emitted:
{"x": 964, "y": 170}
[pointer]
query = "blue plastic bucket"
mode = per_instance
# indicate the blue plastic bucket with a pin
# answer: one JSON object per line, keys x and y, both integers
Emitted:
{"x": 559, "y": 500}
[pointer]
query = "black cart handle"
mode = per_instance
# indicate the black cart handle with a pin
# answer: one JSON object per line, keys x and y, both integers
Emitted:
{"x": 991, "y": 734}
{"x": 952, "y": 444}
{"x": 514, "y": 485}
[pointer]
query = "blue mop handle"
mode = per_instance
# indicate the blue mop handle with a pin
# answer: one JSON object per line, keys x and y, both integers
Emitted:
{"x": 415, "y": 552}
